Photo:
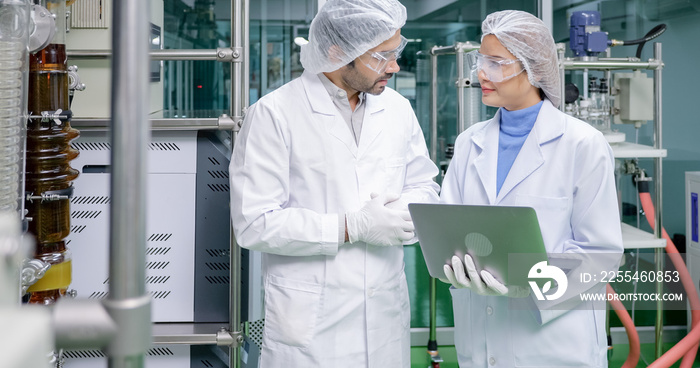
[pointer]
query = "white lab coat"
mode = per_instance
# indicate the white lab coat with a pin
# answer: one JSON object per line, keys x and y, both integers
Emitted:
{"x": 565, "y": 170}
{"x": 295, "y": 169}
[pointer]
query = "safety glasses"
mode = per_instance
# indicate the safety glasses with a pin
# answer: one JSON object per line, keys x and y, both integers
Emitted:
{"x": 495, "y": 69}
{"x": 378, "y": 61}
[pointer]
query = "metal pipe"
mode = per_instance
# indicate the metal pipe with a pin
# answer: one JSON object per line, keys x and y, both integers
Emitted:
{"x": 223, "y": 122}
{"x": 128, "y": 303}
{"x": 239, "y": 20}
{"x": 443, "y": 50}
{"x": 433, "y": 110}
{"x": 570, "y": 64}
{"x": 658, "y": 188}
{"x": 460, "y": 93}
{"x": 221, "y": 54}
{"x": 562, "y": 76}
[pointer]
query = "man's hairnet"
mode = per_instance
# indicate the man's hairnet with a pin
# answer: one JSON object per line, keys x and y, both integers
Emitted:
{"x": 345, "y": 29}
{"x": 526, "y": 37}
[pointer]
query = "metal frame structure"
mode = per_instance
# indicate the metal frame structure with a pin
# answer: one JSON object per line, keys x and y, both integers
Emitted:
{"x": 129, "y": 303}
{"x": 656, "y": 64}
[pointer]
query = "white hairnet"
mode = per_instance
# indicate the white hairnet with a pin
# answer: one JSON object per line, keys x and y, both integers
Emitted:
{"x": 345, "y": 29}
{"x": 529, "y": 40}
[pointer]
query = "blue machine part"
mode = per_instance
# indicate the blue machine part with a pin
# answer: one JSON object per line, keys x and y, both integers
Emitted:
{"x": 585, "y": 36}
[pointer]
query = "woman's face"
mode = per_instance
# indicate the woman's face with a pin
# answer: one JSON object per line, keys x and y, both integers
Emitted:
{"x": 512, "y": 94}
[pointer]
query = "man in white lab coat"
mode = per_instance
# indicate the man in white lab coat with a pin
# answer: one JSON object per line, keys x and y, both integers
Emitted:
{"x": 321, "y": 175}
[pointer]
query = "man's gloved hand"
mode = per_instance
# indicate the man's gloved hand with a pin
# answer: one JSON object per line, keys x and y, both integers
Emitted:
{"x": 482, "y": 283}
{"x": 377, "y": 224}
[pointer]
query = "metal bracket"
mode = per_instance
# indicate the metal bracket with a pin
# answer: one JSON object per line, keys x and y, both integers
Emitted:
{"x": 32, "y": 271}
{"x": 227, "y": 338}
{"x": 58, "y": 116}
{"x": 227, "y": 122}
{"x": 51, "y": 195}
{"x": 74, "y": 82}
{"x": 467, "y": 83}
{"x": 226, "y": 54}
{"x": 237, "y": 54}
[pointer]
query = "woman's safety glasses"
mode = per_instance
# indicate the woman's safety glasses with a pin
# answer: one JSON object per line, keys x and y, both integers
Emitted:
{"x": 495, "y": 69}
{"x": 378, "y": 61}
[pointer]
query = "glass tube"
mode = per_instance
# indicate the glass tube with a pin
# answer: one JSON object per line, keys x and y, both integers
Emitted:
{"x": 14, "y": 38}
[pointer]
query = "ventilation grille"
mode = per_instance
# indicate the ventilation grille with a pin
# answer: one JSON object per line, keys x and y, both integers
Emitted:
{"x": 90, "y": 200}
{"x": 219, "y": 253}
{"x": 218, "y": 279}
{"x": 149, "y": 280}
{"x": 154, "y": 294}
{"x": 81, "y": 354}
{"x": 206, "y": 363}
{"x": 218, "y": 266}
{"x": 98, "y": 294}
{"x": 218, "y": 174}
{"x": 85, "y": 214}
{"x": 156, "y": 146}
{"x": 157, "y": 251}
{"x": 89, "y": 14}
{"x": 160, "y": 351}
{"x": 160, "y": 294}
{"x": 156, "y": 265}
{"x": 218, "y": 187}
{"x": 256, "y": 331}
{"x": 159, "y": 237}
{"x": 78, "y": 354}
{"x": 77, "y": 229}
{"x": 157, "y": 279}
{"x": 214, "y": 161}
{"x": 91, "y": 146}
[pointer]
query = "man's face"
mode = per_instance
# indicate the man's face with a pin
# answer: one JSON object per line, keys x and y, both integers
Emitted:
{"x": 360, "y": 77}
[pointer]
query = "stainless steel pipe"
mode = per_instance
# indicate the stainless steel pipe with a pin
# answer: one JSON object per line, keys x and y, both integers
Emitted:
{"x": 128, "y": 303}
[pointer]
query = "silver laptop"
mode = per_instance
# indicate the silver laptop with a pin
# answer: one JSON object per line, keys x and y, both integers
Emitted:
{"x": 491, "y": 235}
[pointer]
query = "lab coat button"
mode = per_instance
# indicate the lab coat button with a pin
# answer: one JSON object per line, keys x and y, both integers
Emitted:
{"x": 489, "y": 310}
{"x": 370, "y": 292}
{"x": 492, "y": 361}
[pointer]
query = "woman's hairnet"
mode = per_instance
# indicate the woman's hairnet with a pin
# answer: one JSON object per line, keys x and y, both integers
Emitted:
{"x": 526, "y": 37}
{"x": 345, "y": 29}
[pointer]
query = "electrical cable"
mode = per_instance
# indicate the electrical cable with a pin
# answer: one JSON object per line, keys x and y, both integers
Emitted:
{"x": 652, "y": 34}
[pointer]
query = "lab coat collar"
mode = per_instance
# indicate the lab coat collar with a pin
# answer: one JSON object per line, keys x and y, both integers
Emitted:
{"x": 549, "y": 126}
{"x": 318, "y": 96}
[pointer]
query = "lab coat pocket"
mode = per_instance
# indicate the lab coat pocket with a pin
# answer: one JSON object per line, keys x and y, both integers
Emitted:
{"x": 554, "y": 212}
{"x": 291, "y": 310}
{"x": 461, "y": 305}
{"x": 395, "y": 173}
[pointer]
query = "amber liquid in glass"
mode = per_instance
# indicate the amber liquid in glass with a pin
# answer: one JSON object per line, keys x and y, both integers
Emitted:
{"x": 48, "y": 157}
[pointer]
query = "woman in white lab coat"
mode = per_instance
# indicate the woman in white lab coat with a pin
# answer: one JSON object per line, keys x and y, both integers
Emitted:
{"x": 530, "y": 154}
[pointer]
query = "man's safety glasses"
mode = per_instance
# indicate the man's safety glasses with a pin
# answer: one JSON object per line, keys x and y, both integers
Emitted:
{"x": 378, "y": 61}
{"x": 495, "y": 69}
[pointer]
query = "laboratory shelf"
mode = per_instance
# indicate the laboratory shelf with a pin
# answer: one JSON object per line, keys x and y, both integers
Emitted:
{"x": 633, "y": 150}
{"x": 633, "y": 238}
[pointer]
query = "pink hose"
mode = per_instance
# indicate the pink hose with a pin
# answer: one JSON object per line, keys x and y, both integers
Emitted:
{"x": 632, "y": 335}
{"x": 688, "y": 346}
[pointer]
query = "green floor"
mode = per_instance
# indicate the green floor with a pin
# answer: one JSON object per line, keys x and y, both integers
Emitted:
{"x": 419, "y": 357}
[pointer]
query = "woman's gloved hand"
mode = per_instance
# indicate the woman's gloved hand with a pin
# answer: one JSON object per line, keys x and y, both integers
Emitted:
{"x": 483, "y": 283}
{"x": 377, "y": 224}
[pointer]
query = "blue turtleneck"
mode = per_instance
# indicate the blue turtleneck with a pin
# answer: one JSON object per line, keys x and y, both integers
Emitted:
{"x": 514, "y": 128}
